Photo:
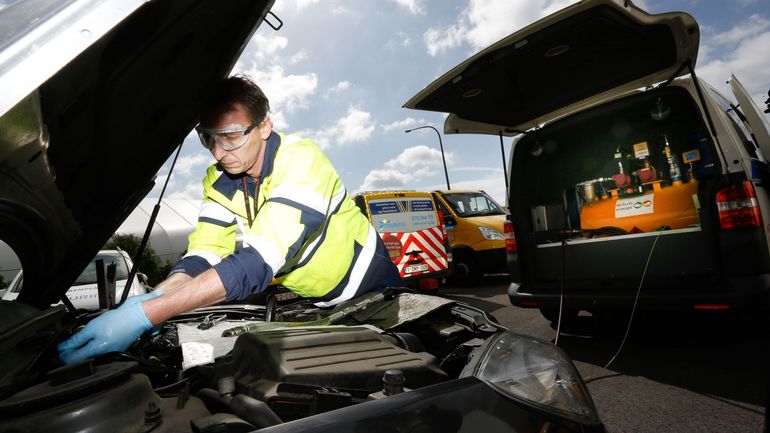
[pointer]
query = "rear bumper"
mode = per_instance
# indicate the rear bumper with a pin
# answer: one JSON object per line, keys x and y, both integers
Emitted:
{"x": 750, "y": 292}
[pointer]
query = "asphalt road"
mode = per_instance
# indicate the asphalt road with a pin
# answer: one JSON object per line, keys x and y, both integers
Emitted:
{"x": 693, "y": 374}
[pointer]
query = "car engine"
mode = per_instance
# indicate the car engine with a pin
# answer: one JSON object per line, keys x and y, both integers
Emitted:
{"x": 187, "y": 376}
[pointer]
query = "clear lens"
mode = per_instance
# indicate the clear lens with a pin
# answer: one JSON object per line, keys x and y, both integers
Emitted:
{"x": 538, "y": 372}
{"x": 229, "y": 139}
{"x": 491, "y": 234}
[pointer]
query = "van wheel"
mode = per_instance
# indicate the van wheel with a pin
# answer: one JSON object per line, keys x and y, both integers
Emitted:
{"x": 465, "y": 271}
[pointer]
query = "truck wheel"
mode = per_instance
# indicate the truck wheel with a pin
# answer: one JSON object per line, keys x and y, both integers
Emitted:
{"x": 465, "y": 270}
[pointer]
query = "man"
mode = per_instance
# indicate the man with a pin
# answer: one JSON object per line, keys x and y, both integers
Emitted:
{"x": 298, "y": 226}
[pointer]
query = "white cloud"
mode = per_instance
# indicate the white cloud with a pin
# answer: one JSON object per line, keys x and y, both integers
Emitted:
{"x": 264, "y": 46}
{"x": 193, "y": 164}
{"x": 735, "y": 51}
{"x": 746, "y": 2}
{"x": 262, "y": 61}
{"x": 438, "y": 40}
{"x": 383, "y": 179}
{"x": 298, "y": 57}
{"x": 339, "y": 87}
{"x": 419, "y": 157}
{"x": 285, "y": 92}
{"x": 754, "y": 25}
{"x": 356, "y": 126}
{"x": 415, "y": 7}
{"x": 480, "y": 24}
{"x": 191, "y": 191}
{"x": 401, "y": 124}
{"x": 339, "y": 10}
{"x": 297, "y": 5}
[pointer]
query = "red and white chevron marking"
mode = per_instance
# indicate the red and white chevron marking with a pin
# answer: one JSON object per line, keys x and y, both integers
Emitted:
{"x": 430, "y": 242}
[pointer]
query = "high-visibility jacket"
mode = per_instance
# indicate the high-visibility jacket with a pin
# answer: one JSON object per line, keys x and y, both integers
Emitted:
{"x": 305, "y": 231}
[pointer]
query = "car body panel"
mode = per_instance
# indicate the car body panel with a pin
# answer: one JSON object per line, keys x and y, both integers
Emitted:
{"x": 760, "y": 127}
{"x": 82, "y": 148}
{"x": 565, "y": 62}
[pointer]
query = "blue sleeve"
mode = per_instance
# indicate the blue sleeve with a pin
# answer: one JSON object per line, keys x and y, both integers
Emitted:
{"x": 244, "y": 273}
{"x": 190, "y": 265}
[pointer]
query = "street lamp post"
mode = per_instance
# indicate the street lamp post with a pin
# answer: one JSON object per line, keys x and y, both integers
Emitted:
{"x": 440, "y": 145}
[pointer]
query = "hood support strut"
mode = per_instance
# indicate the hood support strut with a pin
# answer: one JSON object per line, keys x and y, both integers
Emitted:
{"x": 147, "y": 232}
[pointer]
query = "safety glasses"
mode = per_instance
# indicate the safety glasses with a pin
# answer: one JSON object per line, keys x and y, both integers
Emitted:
{"x": 229, "y": 138}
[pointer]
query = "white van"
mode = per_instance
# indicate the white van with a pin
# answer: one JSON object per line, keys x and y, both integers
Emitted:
{"x": 630, "y": 175}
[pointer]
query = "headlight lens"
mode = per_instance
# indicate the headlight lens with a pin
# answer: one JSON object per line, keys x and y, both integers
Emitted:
{"x": 491, "y": 234}
{"x": 535, "y": 372}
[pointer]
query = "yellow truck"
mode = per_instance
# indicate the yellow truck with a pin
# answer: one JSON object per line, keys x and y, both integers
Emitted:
{"x": 412, "y": 229}
{"x": 474, "y": 223}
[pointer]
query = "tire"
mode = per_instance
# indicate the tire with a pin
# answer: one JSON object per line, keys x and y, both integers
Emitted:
{"x": 465, "y": 270}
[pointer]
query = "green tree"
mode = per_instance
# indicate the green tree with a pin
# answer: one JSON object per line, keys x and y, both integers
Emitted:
{"x": 150, "y": 265}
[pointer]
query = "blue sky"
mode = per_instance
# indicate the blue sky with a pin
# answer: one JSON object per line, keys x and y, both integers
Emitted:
{"x": 340, "y": 70}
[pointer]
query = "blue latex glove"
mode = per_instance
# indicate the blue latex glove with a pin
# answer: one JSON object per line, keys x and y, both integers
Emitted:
{"x": 113, "y": 331}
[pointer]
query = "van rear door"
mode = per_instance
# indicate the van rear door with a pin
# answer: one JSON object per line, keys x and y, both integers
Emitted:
{"x": 408, "y": 224}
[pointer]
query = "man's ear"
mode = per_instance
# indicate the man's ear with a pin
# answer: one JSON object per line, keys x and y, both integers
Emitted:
{"x": 266, "y": 128}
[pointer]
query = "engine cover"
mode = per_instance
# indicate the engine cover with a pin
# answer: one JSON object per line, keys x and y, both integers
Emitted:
{"x": 345, "y": 357}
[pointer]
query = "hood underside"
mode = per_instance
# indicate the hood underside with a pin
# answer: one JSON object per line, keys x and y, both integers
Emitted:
{"x": 566, "y": 61}
{"x": 83, "y": 147}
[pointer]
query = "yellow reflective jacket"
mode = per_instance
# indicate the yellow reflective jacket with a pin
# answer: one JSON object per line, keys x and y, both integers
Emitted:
{"x": 305, "y": 231}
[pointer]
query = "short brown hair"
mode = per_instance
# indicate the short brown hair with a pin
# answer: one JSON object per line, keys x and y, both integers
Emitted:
{"x": 237, "y": 88}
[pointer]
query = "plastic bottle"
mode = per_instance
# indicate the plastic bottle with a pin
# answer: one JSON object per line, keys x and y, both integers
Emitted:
{"x": 675, "y": 173}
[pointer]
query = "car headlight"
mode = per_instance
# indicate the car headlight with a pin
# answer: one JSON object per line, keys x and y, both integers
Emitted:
{"x": 491, "y": 234}
{"x": 533, "y": 372}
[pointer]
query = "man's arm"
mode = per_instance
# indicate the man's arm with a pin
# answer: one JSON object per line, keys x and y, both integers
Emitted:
{"x": 183, "y": 294}
{"x": 116, "y": 330}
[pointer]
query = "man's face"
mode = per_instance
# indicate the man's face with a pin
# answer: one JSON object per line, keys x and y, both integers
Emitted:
{"x": 243, "y": 159}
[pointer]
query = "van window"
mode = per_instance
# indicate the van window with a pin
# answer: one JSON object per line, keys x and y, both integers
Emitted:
{"x": 473, "y": 204}
{"x": 403, "y": 215}
{"x": 737, "y": 123}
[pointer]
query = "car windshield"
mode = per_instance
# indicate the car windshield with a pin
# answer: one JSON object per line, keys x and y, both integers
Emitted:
{"x": 473, "y": 204}
{"x": 88, "y": 276}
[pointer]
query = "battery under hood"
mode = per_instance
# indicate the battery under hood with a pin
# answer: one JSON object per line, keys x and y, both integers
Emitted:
{"x": 567, "y": 61}
{"x": 95, "y": 95}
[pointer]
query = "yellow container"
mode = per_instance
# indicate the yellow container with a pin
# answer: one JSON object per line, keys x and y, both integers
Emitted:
{"x": 674, "y": 206}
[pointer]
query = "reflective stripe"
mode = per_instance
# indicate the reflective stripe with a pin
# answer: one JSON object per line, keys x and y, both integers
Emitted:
{"x": 267, "y": 249}
{"x": 311, "y": 248}
{"x": 210, "y": 257}
{"x": 358, "y": 272}
{"x": 215, "y": 211}
{"x": 305, "y": 195}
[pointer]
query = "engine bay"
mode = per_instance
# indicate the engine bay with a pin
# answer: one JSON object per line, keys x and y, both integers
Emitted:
{"x": 187, "y": 376}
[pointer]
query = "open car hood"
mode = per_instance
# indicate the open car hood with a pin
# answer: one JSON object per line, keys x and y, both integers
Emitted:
{"x": 564, "y": 62}
{"x": 94, "y": 97}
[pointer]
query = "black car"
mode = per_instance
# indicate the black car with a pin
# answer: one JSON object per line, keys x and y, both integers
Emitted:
{"x": 94, "y": 97}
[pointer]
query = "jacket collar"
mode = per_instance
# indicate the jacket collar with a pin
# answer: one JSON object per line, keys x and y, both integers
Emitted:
{"x": 228, "y": 184}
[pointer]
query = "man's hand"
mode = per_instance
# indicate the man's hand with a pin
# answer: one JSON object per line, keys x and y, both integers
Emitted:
{"x": 113, "y": 331}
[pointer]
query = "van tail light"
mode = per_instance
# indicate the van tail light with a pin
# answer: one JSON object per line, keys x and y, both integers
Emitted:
{"x": 510, "y": 238}
{"x": 738, "y": 207}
